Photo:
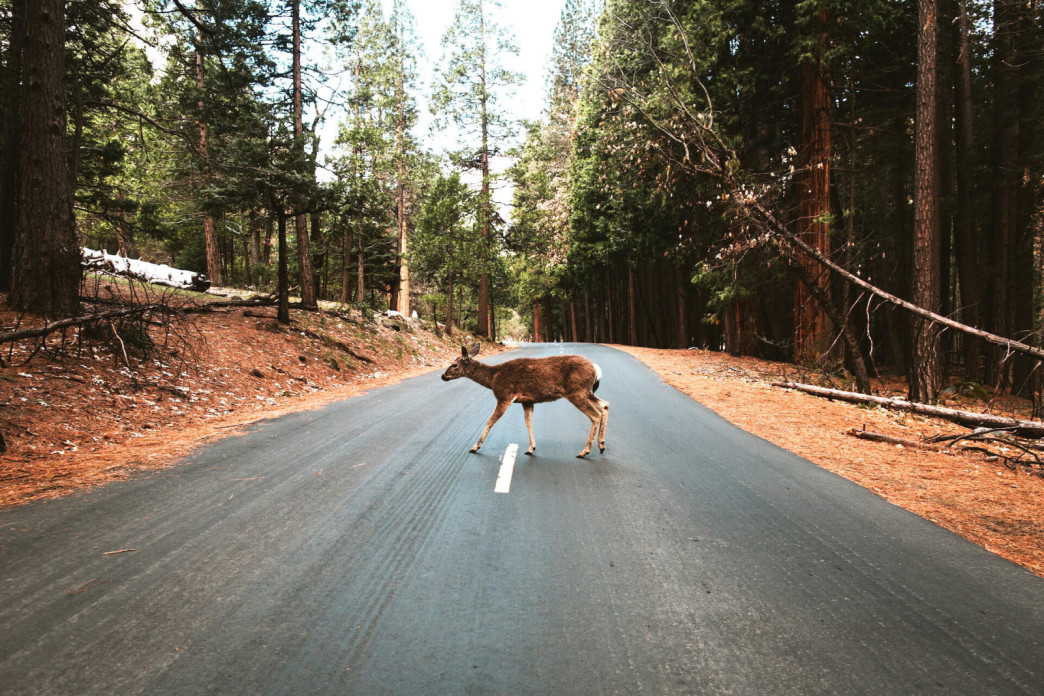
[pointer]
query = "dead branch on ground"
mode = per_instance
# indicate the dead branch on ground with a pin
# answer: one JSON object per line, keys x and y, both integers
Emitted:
{"x": 1027, "y": 429}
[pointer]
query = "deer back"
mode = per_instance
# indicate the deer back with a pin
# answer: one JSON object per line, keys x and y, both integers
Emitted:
{"x": 535, "y": 380}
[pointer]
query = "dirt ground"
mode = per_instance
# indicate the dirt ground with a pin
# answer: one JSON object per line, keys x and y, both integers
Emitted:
{"x": 998, "y": 508}
{"x": 81, "y": 417}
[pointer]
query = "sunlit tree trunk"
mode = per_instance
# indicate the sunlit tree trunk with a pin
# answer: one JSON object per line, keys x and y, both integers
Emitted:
{"x": 346, "y": 269}
{"x": 301, "y": 204}
{"x": 210, "y": 238}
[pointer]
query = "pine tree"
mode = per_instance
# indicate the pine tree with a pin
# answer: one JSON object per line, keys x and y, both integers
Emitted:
{"x": 925, "y": 374}
{"x": 473, "y": 81}
{"x": 46, "y": 256}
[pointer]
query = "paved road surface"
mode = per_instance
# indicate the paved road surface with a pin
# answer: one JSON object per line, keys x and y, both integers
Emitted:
{"x": 361, "y": 550}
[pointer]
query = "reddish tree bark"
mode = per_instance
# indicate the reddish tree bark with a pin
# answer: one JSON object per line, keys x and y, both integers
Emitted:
{"x": 12, "y": 134}
{"x": 46, "y": 256}
{"x": 210, "y": 239}
{"x": 811, "y": 324}
{"x": 925, "y": 365}
{"x": 301, "y": 217}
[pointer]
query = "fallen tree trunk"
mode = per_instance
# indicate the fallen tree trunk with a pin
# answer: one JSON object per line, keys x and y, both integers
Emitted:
{"x": 1029, "y": 429}
{"x": 161, "y": 307}
{"x": 785, "y": 236}
{"x": 892, "y": 440}
{"x": 335, "y": 343}
{"x": 48, "y": 329}
{"x": 158, "y": 274}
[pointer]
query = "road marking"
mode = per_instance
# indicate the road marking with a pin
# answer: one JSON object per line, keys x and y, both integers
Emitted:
{"x": 507, "y": 466}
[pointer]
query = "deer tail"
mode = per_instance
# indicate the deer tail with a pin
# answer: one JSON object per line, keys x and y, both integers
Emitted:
{"x": 598, "y": 377}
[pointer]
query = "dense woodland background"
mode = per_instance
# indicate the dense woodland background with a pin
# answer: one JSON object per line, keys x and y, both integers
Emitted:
{"x": 682, "y": 144}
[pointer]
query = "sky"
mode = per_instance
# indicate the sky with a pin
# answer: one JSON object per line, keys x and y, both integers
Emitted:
{"x": 532, "y": 23}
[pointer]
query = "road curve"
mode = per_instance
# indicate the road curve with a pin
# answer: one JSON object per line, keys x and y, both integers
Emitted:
{"x": 359, "y": 549}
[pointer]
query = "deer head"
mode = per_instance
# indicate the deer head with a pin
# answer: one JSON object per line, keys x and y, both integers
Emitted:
{"x": 460, "y": 366}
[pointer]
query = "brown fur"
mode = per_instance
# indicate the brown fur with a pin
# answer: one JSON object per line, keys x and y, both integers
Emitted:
{"x": 536, "y": 380}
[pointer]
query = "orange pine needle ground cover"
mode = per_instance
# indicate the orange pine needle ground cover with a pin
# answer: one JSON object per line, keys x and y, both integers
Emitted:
{"x": 997, "y": 508}
{"x": 83, "y": 419}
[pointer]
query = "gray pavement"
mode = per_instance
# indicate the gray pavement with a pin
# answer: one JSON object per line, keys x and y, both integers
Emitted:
{"x": 360, "y": 549}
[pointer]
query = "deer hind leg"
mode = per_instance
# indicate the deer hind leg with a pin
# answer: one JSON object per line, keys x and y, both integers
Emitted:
{"x": 528, "y": 408}
{"x": 502, "y": 406}
{"x": 603, "y": 419}
{"x": 589, "y": 410}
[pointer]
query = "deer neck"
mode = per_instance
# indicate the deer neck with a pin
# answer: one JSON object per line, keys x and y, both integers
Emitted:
{"x": 481, "y": 373}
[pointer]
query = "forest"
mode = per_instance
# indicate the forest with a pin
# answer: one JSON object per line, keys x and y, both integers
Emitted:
{"x": 851, "y": 187}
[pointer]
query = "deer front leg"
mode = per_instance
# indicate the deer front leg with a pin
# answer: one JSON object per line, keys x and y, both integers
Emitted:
{"x": 502, "y": 406}
{"x": 528, "y": 408}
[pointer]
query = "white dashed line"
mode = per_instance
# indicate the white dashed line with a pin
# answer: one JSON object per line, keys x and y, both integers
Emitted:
{"x": 507, "y": 466}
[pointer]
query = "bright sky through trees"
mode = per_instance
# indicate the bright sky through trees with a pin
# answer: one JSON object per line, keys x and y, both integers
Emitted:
{"x": 533, "y": 24}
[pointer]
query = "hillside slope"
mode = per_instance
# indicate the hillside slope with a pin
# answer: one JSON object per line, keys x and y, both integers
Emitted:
{"x": 86, "y": 414}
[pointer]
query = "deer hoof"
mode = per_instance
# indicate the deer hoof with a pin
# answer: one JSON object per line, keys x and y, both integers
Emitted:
{"x": 601, "y": 450}
{"x": 473, "y": 449}
{"x": 582, "y": 455}
{"x": 529, "y": 452}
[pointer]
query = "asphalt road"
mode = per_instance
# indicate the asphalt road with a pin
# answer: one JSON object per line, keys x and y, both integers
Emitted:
{"x": 361, "y": 549}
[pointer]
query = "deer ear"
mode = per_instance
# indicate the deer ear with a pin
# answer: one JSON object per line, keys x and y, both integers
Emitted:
{"x": 463, "y": 351}
{"x": 475, "y": 349}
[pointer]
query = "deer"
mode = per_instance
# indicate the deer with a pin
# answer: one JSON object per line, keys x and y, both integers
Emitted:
{"x": 530, "y": 381}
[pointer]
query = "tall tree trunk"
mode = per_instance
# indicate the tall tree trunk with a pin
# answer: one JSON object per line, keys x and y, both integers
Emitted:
{"x": 449, "y": 306}
{"x": 210, "y": 238}
{"x": 538, "y": 324}
{"x": 632, "y": 309}
{"x": 588, "y": 332}
{"x": 269, "y": 225}
{"x": 255, "y": 248}
{"x": 682, "y": 333}
{"x": 346, "y": 269}
{"x": 609, "y": 307}
{"x": 549, "y": 322}
{"x": 318, "y": 252}
{"x": 77, "y": 143}
{"x": 944, "y": 169}
{"x": 966, "y": 238}
{"x": 925, "y": 376}
{"x": 248, "y": 270}
{"x": 811, "y": 325}
{"x": 46, "y": 270}
{"x": 572, "y": 321}
{"x": 360, "y": 286}
{"x": 12, "y": 134}
{"x": 403, "y": 305}
{"x": 1005, "y": 171}
{"x": 301, "y": 203}
{"x": 486, "y": 208}
{"x": 283, "y": 310}
{"x": 1021, "y": 267}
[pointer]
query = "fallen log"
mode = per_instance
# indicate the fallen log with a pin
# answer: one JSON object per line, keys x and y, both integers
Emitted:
{"x": 336, "y": 343}
{"x": 970, "y": 419}
{"x": 53, "y": 326}
{"x": 892, "y": 440}
{"x": 157, "y": 274}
